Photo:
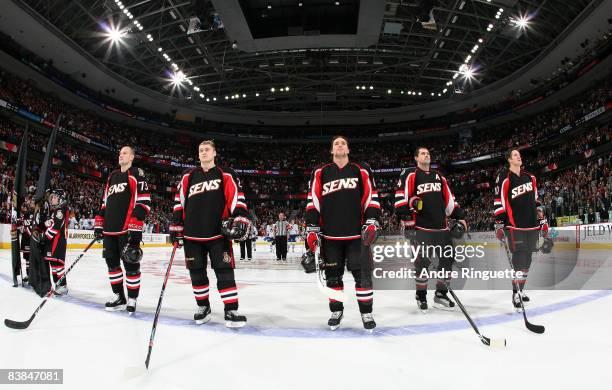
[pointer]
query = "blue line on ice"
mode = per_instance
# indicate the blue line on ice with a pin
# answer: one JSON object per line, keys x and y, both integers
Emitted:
{"x": 324, "y": 332}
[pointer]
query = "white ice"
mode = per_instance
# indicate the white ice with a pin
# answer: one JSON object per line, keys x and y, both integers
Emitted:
{"x": 287, "y": 344}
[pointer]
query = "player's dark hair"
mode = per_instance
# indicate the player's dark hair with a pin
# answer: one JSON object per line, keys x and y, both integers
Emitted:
{"x": 508, "y": 154}
{"x": 418, "y": 149}
{"x": 339, "y": 136}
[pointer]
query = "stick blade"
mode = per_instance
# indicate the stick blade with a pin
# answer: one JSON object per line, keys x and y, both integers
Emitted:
{"x": 539, "y": 329}
{"x": 16, "y": 324}
{"x": 132, "y": 372}
{"x": 498, "y": 343}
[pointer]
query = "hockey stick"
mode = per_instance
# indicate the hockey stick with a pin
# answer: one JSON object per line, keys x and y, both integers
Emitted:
{"x": 532, "y": 327}
{"x": 159, "y": 303}
{"x": 336, "y": 295}
{"x": 495, "y": 343}
{"x": 24, "y": 324}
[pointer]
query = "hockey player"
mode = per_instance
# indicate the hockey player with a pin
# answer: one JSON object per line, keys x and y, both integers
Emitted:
{"x": 54, "y": 238}
{"x": 209, "y": 212}
{"x": 518, "y": 218}
{"x": 424, "y": 202}
{"x": 125, "y": 205}
{"x": 342, "y": 206}
{"x": 25, "y": 228}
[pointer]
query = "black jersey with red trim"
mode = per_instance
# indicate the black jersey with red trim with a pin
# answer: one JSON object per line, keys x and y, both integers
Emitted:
{"x": 204, "y": 199}
{"x": 341, "y": 199}
{"x": 438, "y": 200}
{"x": 516, "y": 199}
{"x": 25, "y": 228}
{"x": 126, "y": 196}
{"x": 56, "y": 233}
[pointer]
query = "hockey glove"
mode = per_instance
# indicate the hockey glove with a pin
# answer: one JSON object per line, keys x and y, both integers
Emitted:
{"x": 369, "y": 231}
{"x": 312, "y": 237}
{"x": 99, "y": 227}
{"x": 308, "y": 262}
{"x": 241, "y": 226}
{"x": 499, "y": 230}
{"x": 176, "y": 235}
{"x": 415, "y": 204}
{"x": 134, "y": 232}
{"x": 543, "y": 227}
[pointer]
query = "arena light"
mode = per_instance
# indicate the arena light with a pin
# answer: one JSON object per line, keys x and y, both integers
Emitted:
{"x": 522, "y": 22}
{"x": 257, "y": 94}
{"x": 202, "y": 95}
{"x": 178, "y": 78}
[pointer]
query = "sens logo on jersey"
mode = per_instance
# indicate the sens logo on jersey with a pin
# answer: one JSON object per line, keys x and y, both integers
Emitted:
{"x": 522, "y": 189}
{"x": 340, "y": 184}
{"x": 428, "y": 187}
{"x": 116, "y": 188}
{"x": 209, "y": 185}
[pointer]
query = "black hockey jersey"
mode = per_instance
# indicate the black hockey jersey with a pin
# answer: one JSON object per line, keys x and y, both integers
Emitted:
{"x": 25, "y": 228}
{"x": 516, "y": 200}
{"x": 56, "y": 233}
{"x": 126, "y": 195}
{"x": 438, "y": 200}
{"x": 341, "y": 199}
{"x": 204, "y": 199}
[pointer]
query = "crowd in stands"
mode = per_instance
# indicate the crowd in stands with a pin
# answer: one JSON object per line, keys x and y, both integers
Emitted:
{"x": 582, "y": 189}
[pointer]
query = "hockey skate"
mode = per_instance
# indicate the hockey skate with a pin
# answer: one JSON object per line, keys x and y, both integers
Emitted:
{"x": 421, "y": 301}
{"x": 368, "y": 322}
{"x": 234, "y": 320}
{"x": 442, "y": 301}
{"x": 131, "y": 306}
{"x": 203, "y": 315}
{"x": 335, "y": 320}
{"x": 118, "y": 304}
{"x": 60, "y": 290}
{"x": 516, "y": 302}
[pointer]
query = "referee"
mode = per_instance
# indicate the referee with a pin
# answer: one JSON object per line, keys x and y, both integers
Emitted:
{"x": 281, "y": 229}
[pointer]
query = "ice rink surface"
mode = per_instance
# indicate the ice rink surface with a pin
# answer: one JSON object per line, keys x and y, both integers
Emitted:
{"x": 287, "y": 344}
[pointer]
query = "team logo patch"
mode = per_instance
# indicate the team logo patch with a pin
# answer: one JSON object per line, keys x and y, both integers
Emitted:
{"x": 226, "y": 257}
{"x": 49, "y": 223}
{"x": 59, "y": 214}
{"x": 140, "y": 172}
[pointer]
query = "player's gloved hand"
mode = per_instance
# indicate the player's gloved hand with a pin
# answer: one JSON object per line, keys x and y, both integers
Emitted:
{"x": 543, "y": 227}
{"x": 308, "y": 262}
{"x": 99, "y": 227}
{"x": 369, "y": 231}
{"x": 242, "y": 227}
{"x": 134, "y": 232}
{"x": 415, "y": 204}
{"x": 312, "y": 237}
{"x": 176, "y": 234}
{"x": 499, "y": 230}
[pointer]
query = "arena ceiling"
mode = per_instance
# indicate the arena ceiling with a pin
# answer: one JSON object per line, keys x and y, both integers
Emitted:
{"x": 293, "y": 55}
